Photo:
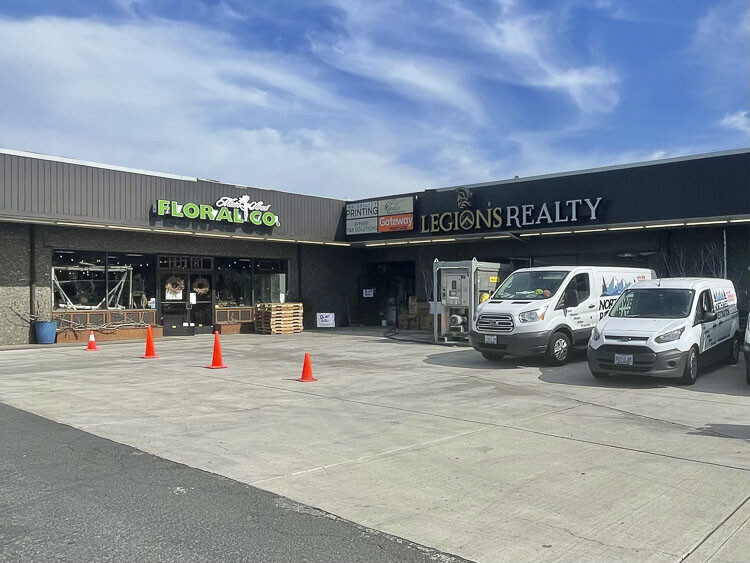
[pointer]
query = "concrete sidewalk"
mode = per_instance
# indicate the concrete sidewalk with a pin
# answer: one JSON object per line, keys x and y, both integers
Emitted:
{"x": 493, "y": 462}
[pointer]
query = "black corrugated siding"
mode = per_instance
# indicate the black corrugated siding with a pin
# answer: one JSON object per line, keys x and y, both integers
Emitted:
{"x": 45, "y": 189}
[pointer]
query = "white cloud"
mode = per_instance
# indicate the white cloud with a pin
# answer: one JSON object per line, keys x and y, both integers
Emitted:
{"x": 528, "y": 49}
{"x": 179, "y": 98}
{"x": 421, "y": 78}
{"x": 739, "y": 120}
{"x": 720, "y": 47}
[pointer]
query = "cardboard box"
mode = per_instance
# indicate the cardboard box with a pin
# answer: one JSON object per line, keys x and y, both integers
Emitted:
{"x": 426, "y": 322}
{"x": 413, "y": 305}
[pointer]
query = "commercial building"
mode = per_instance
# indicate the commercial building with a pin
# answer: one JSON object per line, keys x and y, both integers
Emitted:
{"x": 107, "y": 246}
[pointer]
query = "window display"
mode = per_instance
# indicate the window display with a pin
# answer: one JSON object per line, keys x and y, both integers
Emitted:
{"x": 84, "y": 280}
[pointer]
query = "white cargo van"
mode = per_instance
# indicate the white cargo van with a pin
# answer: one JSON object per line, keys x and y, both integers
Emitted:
{"x": 547, "y": 310}
{"x": 664, "y": 327}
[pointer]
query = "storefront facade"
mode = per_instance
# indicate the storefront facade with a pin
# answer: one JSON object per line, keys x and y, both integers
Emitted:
{"x": 686, "y": 216}
{"x": 105, "y": 246}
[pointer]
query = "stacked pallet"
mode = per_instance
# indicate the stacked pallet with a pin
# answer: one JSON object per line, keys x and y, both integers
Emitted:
{"x": 278, "y": 318}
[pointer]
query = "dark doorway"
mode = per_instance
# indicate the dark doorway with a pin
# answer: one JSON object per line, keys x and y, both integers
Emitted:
{"x": 394, "y": 283}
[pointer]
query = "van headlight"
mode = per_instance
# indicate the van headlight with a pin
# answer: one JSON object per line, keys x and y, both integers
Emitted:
{"x": 595, "y": 334}
{"x": 669, "y": 336}
{"x": 533, "y": 316}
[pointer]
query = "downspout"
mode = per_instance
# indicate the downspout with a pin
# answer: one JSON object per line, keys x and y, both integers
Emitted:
{"x": 299, "y": 272}
{"x": 32, "y": 276}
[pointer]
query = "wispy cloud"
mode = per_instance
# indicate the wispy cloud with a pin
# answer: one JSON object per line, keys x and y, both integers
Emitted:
{"x": 720, "y": 45}
{"x": 179, "y": 98}
{"x": 739, "y": 120}
{"x": 528, "y": 49}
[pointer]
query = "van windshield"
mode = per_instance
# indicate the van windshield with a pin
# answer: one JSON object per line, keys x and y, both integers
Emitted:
{"x": 539, "y": 284}
{"x": 655, "y": 303}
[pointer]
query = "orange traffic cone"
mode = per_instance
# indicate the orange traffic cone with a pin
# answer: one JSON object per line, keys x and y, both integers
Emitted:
{"x": 150, "y": 350}
{"x": 92, "y": 343}
{"x": 307, "y": 374}
{"x": 216, "y": 363}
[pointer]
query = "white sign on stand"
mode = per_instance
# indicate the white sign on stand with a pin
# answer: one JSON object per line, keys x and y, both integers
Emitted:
{"x": 326, "y": 320}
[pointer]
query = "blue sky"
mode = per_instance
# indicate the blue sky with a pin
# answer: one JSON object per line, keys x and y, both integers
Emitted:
{"x": 350, "y": 98}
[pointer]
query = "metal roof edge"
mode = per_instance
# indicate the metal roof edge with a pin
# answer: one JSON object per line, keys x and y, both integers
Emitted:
{"x": 65, "y": 160}
{"x": 610, "y": 168}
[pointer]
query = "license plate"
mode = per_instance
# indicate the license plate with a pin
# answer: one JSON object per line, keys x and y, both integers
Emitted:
{"x": 623, "y": 359}
{"x": 490, "y": 339}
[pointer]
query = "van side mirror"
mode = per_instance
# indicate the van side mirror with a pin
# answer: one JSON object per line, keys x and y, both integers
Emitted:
{"x": 709, "y": 317}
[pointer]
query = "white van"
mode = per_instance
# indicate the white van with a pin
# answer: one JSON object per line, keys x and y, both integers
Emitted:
{"x": 547, "y": 310}
{"x": 664, "y": 327}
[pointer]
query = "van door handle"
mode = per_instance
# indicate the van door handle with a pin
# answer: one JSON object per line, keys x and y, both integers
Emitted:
{"x": 592, "y": 306}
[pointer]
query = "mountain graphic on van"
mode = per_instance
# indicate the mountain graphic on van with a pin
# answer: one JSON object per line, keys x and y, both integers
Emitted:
{"x": 614, "y": 287}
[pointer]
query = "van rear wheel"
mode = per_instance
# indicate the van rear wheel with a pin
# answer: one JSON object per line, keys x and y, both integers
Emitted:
{"x": 734, "y": 351}
{"x": 558, "y": 349}
{"x": 690, "y": 374}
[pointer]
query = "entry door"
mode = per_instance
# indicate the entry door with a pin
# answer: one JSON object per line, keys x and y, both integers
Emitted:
{"x": 186, "y": 303}
{"x": 201, "y": 310}
{"x": 709, "y": 331}
{"x": 580, "y": 306}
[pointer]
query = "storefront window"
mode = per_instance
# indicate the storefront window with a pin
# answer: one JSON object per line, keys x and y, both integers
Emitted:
{"x": 97, "y": 280}
{"x": 234, "y": 282}
{"x": 79, "y": 281}
{"x": 243, "y": 282}
{"x": 131, "y": 280}
{"x": 269, "y": 281}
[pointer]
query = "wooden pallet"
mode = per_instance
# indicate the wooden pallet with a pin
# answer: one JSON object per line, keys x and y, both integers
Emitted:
{"x": 279, "y": 306}
{"x": 278, "y": 318}
{"x": 280, "y": 331}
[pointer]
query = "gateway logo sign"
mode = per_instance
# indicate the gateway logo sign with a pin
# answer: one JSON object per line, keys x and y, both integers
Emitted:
{"x": 381, "y": 216}
{"x": 403, "y": 222}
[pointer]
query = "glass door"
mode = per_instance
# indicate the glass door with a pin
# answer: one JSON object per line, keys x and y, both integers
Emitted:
{"x": 201, "y": 309}
{"x": 186, "y": 303}
{"x": 174, "y": 303}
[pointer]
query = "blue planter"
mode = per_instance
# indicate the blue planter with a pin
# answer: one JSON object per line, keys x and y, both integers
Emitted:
{"x": 45, "y": 332}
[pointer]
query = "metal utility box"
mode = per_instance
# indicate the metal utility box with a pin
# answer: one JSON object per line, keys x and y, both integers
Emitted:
{"x": 458, "y": 288}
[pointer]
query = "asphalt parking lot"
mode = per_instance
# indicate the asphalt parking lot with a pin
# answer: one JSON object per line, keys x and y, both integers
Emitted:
{"x": 508, "y": 461}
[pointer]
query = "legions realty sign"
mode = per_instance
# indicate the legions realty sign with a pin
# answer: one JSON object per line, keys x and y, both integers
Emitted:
{"x": 510, "y": 217}
{"x": 226, "y": 209}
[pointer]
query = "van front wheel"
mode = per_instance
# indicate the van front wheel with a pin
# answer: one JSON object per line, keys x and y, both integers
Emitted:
{"x": 690, "y": 374}
{"x": 558, "y": 349}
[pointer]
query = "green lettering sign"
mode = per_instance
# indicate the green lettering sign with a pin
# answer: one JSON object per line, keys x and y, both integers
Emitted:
{"x": 228, "y": 209}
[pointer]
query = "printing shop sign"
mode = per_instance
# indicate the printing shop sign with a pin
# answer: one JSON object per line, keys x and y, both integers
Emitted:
{"x": 226, "y": 209}
{"x": 381, "y": 216}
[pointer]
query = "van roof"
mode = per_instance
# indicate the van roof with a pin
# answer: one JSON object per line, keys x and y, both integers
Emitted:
{"x": 595, "y": 268}
{"x": 682, "y": 283}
